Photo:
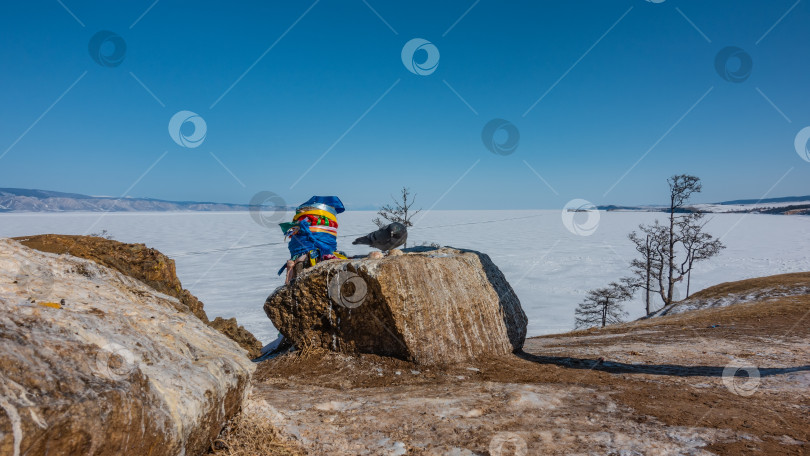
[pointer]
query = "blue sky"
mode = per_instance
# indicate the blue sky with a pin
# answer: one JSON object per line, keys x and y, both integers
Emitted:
{"x": 287, "y": 87}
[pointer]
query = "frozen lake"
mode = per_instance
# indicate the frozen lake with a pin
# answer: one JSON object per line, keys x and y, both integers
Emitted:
{"x": 549, "y": 267}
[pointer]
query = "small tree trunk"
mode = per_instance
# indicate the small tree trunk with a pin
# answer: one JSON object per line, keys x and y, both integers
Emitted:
{"x": 688, "y": 280}
{"x": 671, "y": 253}
{"x": 649, "y": 267}
{"x": 604, "y": 312}
{"x": 405, "y": 198}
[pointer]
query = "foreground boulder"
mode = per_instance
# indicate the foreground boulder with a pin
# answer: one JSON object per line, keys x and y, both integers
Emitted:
{"x": 438, "y": 306}
{"x": 115, "y": 369}
{"x": 147, "y": 265}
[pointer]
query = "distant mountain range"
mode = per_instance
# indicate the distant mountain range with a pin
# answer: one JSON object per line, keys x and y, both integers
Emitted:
{"x": 790, "y": 205}
{"x": 25, "y": 200}
{"x": 786, "y": 199}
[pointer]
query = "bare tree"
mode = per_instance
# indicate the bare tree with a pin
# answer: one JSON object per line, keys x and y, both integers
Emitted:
{"x": 400, "y": 211}
{"x": 698, "y": 245}
{"x": 669, "y": 252}
{"x": 649, "y": 270}
{"x": 681, "y": 188}
{"x": 603, "y": 306}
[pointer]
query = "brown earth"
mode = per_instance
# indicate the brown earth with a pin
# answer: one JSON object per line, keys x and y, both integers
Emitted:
{"x": 145, "y": 264}
{"x": 665, "y": 385}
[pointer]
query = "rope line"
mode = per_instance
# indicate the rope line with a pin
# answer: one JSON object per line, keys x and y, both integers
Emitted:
{"x": 268, "y": 244}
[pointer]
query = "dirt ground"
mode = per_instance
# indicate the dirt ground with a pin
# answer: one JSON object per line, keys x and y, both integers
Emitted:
{"x": 728, "y": 381}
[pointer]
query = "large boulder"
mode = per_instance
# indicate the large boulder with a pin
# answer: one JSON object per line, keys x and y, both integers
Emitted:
{"x": 147, "y": 265}
{"x": 115, "y": 369}
{"x": 439, "y": 306}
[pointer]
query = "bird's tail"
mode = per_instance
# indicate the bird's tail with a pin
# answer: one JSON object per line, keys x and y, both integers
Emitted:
{"x": 362, "y": 240}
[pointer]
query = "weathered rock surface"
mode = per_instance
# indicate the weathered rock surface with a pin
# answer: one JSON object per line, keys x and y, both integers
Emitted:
{"x": 116, "y": 370}
{"x": 145, "y": 264}
{"x": 238, "y": 334}
{"x": 428, "y": 306}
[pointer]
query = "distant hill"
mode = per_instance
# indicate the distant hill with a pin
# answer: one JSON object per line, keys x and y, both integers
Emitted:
{"x": 33, "y": 200}
{"x": 28, "y": 200}
{"x": 786, "y": 199}
{"x": 789, "y": 205}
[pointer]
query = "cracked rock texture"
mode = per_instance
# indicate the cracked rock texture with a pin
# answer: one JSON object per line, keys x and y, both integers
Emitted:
{"x": 428, "y": 306}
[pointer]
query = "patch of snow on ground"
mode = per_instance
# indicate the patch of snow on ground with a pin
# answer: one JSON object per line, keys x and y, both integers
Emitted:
{"x": 734, "y": 298}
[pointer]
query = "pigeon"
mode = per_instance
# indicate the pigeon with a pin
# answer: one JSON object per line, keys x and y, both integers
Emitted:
{"x": 385, "y": 238}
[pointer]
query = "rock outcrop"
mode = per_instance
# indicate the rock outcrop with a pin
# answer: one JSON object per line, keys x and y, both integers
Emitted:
{"x": 115, "y": 369}
{"x": 145, "y": 264}
{"x": 428, "y": 306}
{"x": 238, "y": 334}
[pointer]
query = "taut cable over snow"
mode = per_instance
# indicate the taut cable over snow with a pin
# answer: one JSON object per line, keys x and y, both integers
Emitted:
{"x": 267, "y": 244}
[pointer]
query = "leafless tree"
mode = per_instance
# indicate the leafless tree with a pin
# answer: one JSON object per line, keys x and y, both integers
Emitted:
{"x": 698, "y": 245}
{"x": 669, "y": 252}
{"x": 648, "y": 271}
{"x": 603, "y": 306}
{"x": 400, "y": 211}
{"x": 681, "y": 188}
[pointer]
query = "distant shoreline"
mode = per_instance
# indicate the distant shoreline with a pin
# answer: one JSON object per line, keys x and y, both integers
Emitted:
{"x": 31, "y": 201}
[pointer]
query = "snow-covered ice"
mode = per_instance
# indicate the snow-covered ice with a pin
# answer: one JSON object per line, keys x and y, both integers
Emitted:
{"x": 550, "y": 268}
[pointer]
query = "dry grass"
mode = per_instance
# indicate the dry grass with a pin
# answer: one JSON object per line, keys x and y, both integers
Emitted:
{"x": 308, "y": 350}
{"x": 796, "y": 279}
{"x": 251, "y": 434}
{"x": 782, "y": 315}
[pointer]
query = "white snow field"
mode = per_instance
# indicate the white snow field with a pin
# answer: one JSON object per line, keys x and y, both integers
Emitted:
{"x": 549, "y": 267}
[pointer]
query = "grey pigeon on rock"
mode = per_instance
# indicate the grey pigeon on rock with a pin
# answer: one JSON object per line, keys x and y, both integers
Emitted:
{"x": 386, "y": 238}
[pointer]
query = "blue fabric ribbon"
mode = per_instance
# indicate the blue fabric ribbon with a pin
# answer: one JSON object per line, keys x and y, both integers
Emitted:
{"x": 305, "y": 241}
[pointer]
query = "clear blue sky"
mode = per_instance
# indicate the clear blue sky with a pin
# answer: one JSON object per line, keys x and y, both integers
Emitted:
{"x": 615, "y": 76}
